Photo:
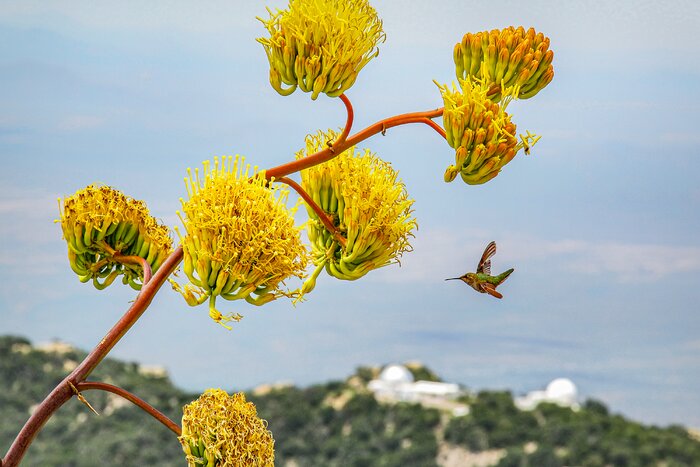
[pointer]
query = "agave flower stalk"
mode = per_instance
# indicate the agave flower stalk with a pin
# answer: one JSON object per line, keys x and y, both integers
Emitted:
{"x": 361, "y": 216}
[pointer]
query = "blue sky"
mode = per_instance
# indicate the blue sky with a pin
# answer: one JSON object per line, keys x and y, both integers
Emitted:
{"x": 600, "y": 222}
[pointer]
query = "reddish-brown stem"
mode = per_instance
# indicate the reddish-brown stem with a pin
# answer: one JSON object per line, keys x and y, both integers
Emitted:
{"x": 317, "y": 209}
{"x": 434, "y": 126}
{"x": 381, "y": 126}
{"x": 133, "y": 259}
{"x": 63, "y": 391}
{"x": 348, "y": 123}
{"x": 142, "y": 404}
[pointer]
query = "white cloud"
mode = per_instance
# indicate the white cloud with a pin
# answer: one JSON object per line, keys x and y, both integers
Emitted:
{"x": 691, "y": 346}
{"x": 629, "y": 262}
{"x": 436, "y": 253}
{"x": 80, "y": 122}
{"x": 636, "y": 262}
{"x": 681, "y": 138}
{"x": 26, "y": 205}
{"x": 441, "y": 253}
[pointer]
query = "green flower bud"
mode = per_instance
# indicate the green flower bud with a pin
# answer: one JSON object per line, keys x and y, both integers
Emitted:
{"x": 320, "y": 46}
{"x": 506, "y": 58}
{"x": 480, "y": 131}
{"x": 100, "y": 222}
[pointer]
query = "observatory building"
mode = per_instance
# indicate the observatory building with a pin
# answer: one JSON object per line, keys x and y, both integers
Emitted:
{"x": 396, "y": 384}
{"x": 561, "y": 391}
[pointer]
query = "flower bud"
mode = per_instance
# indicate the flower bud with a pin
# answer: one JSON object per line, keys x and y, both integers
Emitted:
{"x": 321, "y": 46}
{"x": 481, "y": 131}
{"x": 221, "y": 430}
{"x": 506, "y": 58}
{"x": 99, "y": 222}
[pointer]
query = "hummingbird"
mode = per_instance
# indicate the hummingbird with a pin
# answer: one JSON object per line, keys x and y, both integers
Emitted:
{"x": 482, "y": 280}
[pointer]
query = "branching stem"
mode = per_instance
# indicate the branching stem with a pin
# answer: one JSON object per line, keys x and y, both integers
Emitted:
{"x": 337, "y": 148}
{"x": 317, "y": 209}
{"x": 142, "y": 404}
{"x": 348, "y": 124}
{"x": 63, "y": 392}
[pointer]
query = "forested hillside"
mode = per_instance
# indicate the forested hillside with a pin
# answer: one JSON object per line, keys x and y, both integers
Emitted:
{"x": 331, "y": 424}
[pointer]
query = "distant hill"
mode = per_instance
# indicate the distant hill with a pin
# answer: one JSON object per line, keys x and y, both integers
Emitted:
{"x": 333, "y": 424}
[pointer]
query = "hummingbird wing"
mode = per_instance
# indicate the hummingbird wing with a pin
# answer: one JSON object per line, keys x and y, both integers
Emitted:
{"x": 490, "y": 289}
{"x": 484, "y": 266}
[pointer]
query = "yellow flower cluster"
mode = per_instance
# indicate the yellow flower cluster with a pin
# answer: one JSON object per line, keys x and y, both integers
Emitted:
{"x": 368, "y": 204}
{"x": 241, "y": 241}
{"x": 320, "y": 45}
{"x": 506, "y": 58}
{"x": 219, "y": 430}
{"x": 480, "y": 131}
{"x": 99, "y": 222}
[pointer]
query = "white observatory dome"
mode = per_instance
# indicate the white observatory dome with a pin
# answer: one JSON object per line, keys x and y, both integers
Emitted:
{"x": 395, "y": 374}
{"x": 562, "y": 390}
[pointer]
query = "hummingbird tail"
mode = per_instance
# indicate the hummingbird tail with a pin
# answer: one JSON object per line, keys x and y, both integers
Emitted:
{"x": 504, "y": 275}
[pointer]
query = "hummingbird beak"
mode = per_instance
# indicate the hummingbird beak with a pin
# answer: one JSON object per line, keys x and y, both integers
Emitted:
{"x": 454, "y": 279}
